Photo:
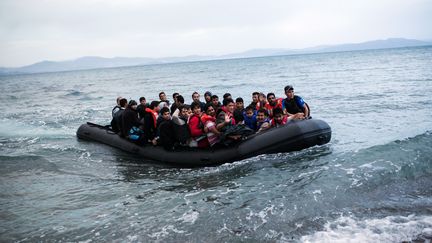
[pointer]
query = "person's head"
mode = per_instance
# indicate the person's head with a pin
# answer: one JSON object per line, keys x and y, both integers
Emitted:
{"x": 196, "y": 108}
{"x": 262, "y": 115}
{"x": 226, "y": 96}
{"x": 215, "y": 100}
{"x": 278, "y": 115}
{"x": 239, "y": 103}
{"x": 229, "y": 104}
{"x": 189, "y": 110}
{"x": 289, "y": 91}
{"x": 195, "y": 97}
{"x": 118, "y": 100}
{"x": 249, "y": 111}
{"x": 175, "y": 97}
{"x": 162, "y": 105}
{"x": 183, "y": 110}
{"x": 165, "y": 112}
{"x": 132, "y": 104}
{"x": 142, "y": 100}
{"x": 154, "y": 105}
{"x": 210, "y": 110}
{"x": 271, "y": 98}
{"x": 123, "y": 102}
{"x": 180, "y": 99}
{"x": 207, "y": 96}
{"x": 255, "y": 96}
{"x": 261, "y": 97}
{"x": 162, "y": 96}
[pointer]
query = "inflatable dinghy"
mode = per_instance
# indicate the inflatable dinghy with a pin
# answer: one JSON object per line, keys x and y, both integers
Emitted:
{"x": 296, "y": 135}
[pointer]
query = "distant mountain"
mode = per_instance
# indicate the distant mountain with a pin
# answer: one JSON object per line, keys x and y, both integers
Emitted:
{"x": 91, "y": 62}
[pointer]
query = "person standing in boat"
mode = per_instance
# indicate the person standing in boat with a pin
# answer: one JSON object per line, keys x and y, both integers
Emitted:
{"x": 294, "y": 106}
{"x": 255, "y": 101}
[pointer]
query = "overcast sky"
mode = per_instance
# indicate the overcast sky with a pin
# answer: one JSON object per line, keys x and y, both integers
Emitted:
{"x": 36, "y": 30}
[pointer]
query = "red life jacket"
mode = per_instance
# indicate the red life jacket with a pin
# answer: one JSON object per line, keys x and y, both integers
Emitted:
{"x": 270, "y": 108}
{"x": 284, "y": 121}
{"x": 154, "y": 114}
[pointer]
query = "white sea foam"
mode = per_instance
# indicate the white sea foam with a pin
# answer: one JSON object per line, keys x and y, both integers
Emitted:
{"x": 189, "y": 217}
{"x": 388, "y": 229}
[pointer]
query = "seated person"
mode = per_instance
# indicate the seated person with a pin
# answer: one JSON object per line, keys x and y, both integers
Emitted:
{"x": 208, "y": 97}
{"x": 141, "y": 107}
{"x": 165, "y": 129}
{"x": 209, "y": 121}
{"x": 255, "y": 101}
{"x": 263, "y": 122}
{"x": 117, "y": 106}
{"x": 240, "y": 104}
{"x": 225, "y": 117}
{"x": 294, "y": 106}
{"x": 279, "y": 118}
{"x": 196, "y": 128}
{"x": 249, "y": 117}
{"x": 131, "y": 126}
{"x": 273, "y": 103}
{"x": 180, "y": 121}
{"x": 163, "y": 98}
{"x": 116, "y": 122}
{"x": 150, "y": 122}
{"x": 215, "y": 102}
{"x": 196, "y": 98}
{"x": 179, "y": 101}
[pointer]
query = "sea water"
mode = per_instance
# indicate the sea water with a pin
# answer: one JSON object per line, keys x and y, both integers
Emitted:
{"x": 371, "y": 183}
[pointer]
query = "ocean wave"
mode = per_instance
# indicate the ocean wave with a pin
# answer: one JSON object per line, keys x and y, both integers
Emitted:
{"x": 388, "y": 229}
{"x": 25, "y": 163}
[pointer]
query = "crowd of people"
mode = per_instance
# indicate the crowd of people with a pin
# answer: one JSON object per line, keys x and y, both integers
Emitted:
{"x": 203, "y": 124}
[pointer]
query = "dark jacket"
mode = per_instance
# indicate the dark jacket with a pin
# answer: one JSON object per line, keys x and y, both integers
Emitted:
{"x": 129, "y": 119}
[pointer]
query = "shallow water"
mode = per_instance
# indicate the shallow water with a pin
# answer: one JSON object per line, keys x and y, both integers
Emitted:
{"x": 372, "y": 182}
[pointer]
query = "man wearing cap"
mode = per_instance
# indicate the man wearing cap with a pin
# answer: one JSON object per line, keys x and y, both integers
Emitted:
{"x": 294, "y": 106}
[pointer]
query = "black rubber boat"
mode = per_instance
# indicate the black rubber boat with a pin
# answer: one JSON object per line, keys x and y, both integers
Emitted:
{"x": 296, "y": 135}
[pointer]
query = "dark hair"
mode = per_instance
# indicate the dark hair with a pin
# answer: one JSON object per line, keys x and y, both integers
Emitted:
{"x": 214, "y": 97}
{"x": 250, "y": 108}
{"x": 270, "y": 94}
{"x": 123, "y": 102}
{"x": 161, "y": 93}
{"x": 142, "y": 98}
{"x": 131, "y": 103}
{"x": 153, "y": 104}
{"x": 277, "y": 111}
{"x": 288, "y": 87}
{"x": 181, "y": 107}
{"x": 226, "y": 95}
{"x": 164, "y": 109}
{"x": 227, "y": 101}
{"x": 239, "y": 99}
{"x": 255, "y": 93}
{"x": 194, "y": 93}
{"x": 208, "y": 105}
{"x": 195, "y": 104}
{"x": 175, "y": 94}
{"x": 262, "y": 110}
{"x": 180, "y": 99}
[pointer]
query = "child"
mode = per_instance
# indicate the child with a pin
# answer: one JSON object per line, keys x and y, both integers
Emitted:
{"x": 279, "y": 119}
{"x": 263, "y": 122}
{"x": 250, "y": 119}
